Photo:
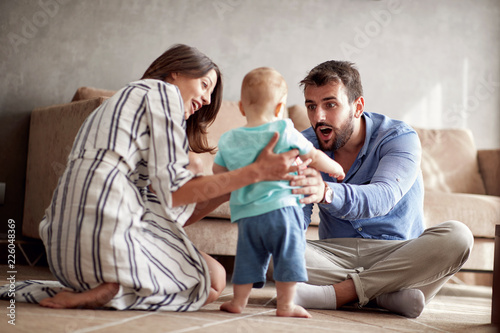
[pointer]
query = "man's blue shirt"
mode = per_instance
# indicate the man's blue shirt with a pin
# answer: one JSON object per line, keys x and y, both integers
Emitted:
{"x": 382, "y": 194}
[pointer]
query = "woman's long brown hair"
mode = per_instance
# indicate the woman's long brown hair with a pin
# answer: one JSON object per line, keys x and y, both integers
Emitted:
{"x": 187, "y": 60}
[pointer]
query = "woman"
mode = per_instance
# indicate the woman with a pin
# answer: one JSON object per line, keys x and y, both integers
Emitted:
{"x": 114, "y": 230}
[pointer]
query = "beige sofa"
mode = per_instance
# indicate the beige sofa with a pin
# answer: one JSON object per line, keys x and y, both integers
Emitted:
{"x": 461, "y": 183}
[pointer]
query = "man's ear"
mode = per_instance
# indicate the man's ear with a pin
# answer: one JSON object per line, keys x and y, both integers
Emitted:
{"x": 240, "y": 105}
{"x": 360, "y": 106}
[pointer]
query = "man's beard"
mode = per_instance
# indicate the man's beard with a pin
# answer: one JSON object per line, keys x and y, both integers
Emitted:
{"x": 341, "y": 135}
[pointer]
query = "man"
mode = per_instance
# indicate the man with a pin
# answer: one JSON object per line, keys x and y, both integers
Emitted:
{"x": 373, "y": 244}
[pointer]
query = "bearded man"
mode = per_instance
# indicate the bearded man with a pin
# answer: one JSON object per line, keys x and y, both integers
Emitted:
{"x": 373, "y": 245}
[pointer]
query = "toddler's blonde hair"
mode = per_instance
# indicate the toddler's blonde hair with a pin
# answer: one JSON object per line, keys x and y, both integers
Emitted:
{"x": 263, "y": 88}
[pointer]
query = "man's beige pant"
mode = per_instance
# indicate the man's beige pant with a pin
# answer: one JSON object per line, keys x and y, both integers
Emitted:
{"x": 384, "y": 266}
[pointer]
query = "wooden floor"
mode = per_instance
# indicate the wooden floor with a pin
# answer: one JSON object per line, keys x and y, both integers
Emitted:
{"x": 457, "y": 308}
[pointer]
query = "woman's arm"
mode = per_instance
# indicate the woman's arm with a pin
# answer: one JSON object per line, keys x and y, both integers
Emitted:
{"x": 268, "y": 166}
{"x": 202, "y": 209}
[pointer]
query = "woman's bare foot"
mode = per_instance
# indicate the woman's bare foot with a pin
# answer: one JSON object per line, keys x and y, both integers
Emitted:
{"x": 89, "y": 299}
{"x": 292, "y": 311}
{"x": 230, "y": 306}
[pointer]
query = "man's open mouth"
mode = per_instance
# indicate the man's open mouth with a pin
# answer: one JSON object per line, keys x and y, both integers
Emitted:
{"x": 324, "y": 132}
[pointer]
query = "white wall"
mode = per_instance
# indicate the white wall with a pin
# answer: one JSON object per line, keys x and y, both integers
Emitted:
{"x": 433, "y": 63}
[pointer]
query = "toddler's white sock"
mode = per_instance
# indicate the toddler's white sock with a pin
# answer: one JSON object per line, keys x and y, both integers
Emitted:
{"x": 407, "y": 302}
{"x": 311, "y": 296}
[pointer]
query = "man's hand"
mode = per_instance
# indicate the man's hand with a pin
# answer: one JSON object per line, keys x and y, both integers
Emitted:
{"x": 271, "y": 166}
{"x": 311, "y": 185}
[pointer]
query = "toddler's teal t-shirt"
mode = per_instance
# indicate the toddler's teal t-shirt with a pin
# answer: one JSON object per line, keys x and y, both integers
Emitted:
{"x": 240, "y": 147}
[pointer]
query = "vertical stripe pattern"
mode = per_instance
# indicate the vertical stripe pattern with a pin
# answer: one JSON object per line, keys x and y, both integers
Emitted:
{"x": 104, "y": 225}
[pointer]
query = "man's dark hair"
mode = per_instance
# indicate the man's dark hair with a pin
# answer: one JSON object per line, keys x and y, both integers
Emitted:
{"x": 336, "y": 71}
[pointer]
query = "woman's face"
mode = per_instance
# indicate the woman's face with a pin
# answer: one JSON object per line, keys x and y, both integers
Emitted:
{"x": 195, "y": 92}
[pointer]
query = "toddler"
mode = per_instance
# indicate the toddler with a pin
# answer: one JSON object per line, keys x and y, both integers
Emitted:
{"x": 270, "y": 218}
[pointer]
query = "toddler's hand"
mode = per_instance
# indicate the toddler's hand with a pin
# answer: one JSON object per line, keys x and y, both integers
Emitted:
{"x": 338, "y": 176}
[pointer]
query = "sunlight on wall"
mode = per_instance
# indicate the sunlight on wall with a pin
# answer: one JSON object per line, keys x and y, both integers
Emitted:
{"x": 428, "y": 110}
{"x": 462, "y": 115}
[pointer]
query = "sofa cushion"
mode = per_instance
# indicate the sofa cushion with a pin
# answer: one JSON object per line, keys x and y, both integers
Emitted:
{"x": 229, "y": 117}
{"x": 84, "y": 93}
{"x": 224, "y": 212}
{"x": 298, "y": 115}
{"x": 482, "y": 256}
{"x": 479, "y": 212}
{"x": 449, "y": 161}
{"x": 214, "y": 236}
{"x": 221, "y": 212}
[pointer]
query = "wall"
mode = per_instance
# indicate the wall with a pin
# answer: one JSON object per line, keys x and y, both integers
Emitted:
{"x": 431, "y": 63}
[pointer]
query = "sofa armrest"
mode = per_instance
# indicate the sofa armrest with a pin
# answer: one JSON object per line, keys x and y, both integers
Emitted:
{"x": 52, "y": 132}
{"x": 489, "y": 168}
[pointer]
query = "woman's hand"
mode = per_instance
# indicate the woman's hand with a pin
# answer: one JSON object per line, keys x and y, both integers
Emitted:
{"x": 311, "y": 185}
{"x": 271, "y": 166}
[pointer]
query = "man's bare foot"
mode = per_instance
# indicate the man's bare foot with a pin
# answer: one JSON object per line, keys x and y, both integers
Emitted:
{"x": 89, "y": 299}
{"x": 230, "y": 306}
{"x": 292, "y": 311}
